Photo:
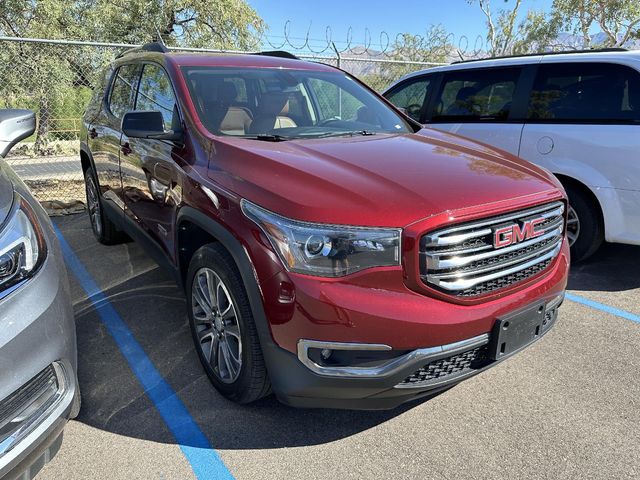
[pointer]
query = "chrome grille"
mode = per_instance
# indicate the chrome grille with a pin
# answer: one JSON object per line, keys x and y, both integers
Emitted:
{"x": 464, "y": 261}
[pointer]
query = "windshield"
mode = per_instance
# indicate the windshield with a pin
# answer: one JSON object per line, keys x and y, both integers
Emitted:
{"x": 279, "y": 104}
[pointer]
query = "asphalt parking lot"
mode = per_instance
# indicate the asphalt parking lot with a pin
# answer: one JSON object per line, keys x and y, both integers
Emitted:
{"x": 567, "y": 407}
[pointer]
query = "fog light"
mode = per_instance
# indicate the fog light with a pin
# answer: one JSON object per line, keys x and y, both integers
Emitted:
{"x": 325, "y": 353}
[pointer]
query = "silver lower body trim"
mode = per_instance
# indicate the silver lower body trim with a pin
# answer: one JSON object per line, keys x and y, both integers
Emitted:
{"x": 391, "y": 367}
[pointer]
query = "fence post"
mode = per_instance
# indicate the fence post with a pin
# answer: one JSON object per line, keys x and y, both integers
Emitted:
{"x": 338, "y": 59}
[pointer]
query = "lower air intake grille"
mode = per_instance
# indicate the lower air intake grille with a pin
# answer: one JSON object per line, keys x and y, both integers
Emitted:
{"x": 449, "y": 367}
{"x": 15, "y": 402}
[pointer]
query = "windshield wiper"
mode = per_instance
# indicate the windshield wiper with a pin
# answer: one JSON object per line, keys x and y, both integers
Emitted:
{"x": 266, "y": 137}
{"x": 352, "y": 133}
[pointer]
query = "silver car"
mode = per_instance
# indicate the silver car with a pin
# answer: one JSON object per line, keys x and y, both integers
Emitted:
{"x": 38, "y": 381}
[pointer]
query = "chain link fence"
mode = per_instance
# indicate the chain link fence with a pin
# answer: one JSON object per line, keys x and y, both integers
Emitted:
{"x": 55, "y": 78}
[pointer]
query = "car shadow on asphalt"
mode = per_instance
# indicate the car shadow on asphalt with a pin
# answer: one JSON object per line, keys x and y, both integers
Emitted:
{"x": 613, "y": 268}
{"x": 154, "y": 309}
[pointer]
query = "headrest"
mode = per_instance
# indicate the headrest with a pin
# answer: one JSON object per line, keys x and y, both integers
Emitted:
{"x": 227, "y": 92}
{"x": 273, "y": 103}
{"x": 465, "y": 93}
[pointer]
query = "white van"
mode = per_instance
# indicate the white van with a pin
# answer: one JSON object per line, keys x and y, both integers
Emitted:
{"x": 576, "y": 114}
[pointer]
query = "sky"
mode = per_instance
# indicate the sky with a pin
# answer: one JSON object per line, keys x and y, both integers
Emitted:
{"x": 413, "y": 16}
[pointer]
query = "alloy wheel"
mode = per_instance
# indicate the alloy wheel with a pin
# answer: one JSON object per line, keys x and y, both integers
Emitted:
{"x": 573, "y": 226}
{"x": 217, "y": 326}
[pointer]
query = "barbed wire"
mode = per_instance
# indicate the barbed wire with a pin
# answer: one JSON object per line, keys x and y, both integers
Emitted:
{"x": 387, "y": 44}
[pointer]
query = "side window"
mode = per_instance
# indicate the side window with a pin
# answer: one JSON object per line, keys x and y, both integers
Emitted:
{"x": 476, "y": 95}
{"x": 155, "y": 93}
{"x": 334, "y": 102}
{"x": 585, "y": 93}
{"x": 411, "y": 96}
{"x": 122, "y": 91}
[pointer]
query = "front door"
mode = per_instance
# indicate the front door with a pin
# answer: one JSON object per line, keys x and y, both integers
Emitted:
{"x": 150, "y": 168}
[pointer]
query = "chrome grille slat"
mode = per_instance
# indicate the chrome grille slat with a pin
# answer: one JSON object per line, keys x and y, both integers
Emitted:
{"x": 435, "y": 262}
{"x": 495, "y": 266}
{"x": 474, "y": 266}
{"x": 436, "y": 239}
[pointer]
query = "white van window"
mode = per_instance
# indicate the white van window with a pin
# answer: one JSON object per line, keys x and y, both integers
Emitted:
{"x": 476, "y": 95}
{"x": 585, "y": 93}
{"x": 411, "y": 96}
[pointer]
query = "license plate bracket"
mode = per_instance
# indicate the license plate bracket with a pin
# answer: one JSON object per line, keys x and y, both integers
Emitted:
{"x": 517, "y": 330}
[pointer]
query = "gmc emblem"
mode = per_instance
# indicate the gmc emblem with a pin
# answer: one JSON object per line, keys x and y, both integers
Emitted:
{"x": 505, "y": 236}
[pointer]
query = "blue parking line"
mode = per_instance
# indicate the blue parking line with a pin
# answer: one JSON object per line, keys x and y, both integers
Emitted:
{"x": 602, "y": 307}
{"x": 204, "y": 460}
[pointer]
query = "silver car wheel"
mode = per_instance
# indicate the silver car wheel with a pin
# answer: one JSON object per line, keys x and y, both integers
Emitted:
{"x": 93, "y": 205}
{"x": 217, "y": 326}
{"x": 573, "y": 226}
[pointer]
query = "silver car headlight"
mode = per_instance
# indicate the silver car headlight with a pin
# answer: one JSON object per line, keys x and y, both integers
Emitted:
{"x": 22, "y": 246}
{"x": 326, "y": 250}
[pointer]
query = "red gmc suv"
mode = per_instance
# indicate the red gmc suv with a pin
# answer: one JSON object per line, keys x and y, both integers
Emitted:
{"x": 332, "y": 250}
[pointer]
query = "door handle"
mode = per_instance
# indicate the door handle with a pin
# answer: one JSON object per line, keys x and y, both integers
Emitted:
{"x": 126, "y": 149}
{"x": 93, "y": 133}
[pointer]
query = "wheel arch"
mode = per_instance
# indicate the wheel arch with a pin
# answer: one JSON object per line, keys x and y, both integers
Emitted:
{"x": 571, "y": 182}
{"x": 208, "y": 230}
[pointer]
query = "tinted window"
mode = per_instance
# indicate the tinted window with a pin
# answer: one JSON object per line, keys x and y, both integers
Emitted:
{"x": 287, "y": 102}
{"x": 410, "y": 96}
{"x": 155, "y": 93}
{"x": 585, "y": 92}
{"x": 475, "y": 95}
{"x": 122, "y": 90}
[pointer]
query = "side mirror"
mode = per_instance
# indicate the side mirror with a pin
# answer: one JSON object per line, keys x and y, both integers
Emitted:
{"x": 147, "y": 124}
{"x": 15, "y": 125}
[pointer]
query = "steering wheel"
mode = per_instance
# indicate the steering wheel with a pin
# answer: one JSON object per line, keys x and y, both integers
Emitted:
{"x": 328, "y": 121}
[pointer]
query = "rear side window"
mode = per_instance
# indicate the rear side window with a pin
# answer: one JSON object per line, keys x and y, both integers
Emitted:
{"x": 585, "y": 93}
{"x": 410, "y": 96}
{"x": 156, "y": 93}
{"x": 122, "y": 94}
{"x": 476, "y": 95}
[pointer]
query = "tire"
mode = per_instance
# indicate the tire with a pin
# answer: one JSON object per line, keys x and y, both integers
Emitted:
{"x": 103, "y": 228}
{"x": 585, "y": 227}
{"x": 225, "y": 335}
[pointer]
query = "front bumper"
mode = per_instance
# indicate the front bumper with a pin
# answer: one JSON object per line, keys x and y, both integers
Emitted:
{"x": 37, "y": 331}
{"x": 420, "y": 329}
{"x": 410, "y": 376}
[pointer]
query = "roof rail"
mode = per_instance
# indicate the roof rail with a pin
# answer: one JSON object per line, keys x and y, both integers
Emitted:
{"x": 147, "y": 47}
{"x": 565, "y": 52}
{"x": 278, "y": 53}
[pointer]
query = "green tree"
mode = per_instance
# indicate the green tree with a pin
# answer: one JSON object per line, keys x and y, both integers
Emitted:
{"x": 508, "y": 35}
{"x": 432, "y": 47}
{"x": 50, "y": 77}
{"x": 619, "y": 20}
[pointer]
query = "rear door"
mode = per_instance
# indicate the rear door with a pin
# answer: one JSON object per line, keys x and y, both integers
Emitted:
{"x": 104, "y": 132}
{"x": 486, "y": 105}
{"x": 584, "y": 123}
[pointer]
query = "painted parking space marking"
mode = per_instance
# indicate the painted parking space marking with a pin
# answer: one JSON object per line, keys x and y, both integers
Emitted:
{"x": 602, "y": 307}
{"x": 204, "y": 460}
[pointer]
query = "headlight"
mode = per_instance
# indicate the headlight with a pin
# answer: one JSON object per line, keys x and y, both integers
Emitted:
{"x": 326, "y": 250}
{"x": 22, "y": 246}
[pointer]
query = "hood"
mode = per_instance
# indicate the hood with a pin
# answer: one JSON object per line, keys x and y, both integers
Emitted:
{"x": 382, "y": 180}
{"x": 6, "y": 193}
